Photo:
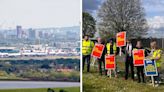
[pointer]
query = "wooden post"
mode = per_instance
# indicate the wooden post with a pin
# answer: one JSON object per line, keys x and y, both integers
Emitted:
{"x": 120, "y": 51}
{"x": 93, "y": 62}
{"x": 152, "y": 79}
{"x": 110, "y": 73}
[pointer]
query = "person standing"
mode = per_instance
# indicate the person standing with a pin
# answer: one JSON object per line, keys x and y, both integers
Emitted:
{"x": 87, "y": 46}
{"x": 102, "y": 59}
{"x": 112, "y": 49}
{"x": 156, "y": 55}
{"x": 129, "y": 59}
{"x": 140, "y": 69}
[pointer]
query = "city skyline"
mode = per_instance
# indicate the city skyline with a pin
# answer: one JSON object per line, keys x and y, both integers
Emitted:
{"x": 20, "y": 32}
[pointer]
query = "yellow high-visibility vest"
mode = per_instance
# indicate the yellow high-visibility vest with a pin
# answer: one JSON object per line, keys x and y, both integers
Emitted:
{"x": 157, "y": 53}
{"x": 108, "y": 48}
{"x": 87, "y": 47}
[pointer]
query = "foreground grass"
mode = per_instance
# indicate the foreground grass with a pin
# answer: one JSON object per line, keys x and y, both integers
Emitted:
{"x": 71, "y": 89}
{"x": 96, "y": 83}
{"x": 93, "y": 82}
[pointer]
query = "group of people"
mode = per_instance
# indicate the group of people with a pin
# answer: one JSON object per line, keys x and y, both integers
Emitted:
{"x": 110, "y": 48}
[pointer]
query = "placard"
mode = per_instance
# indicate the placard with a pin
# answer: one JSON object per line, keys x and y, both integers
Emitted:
{"x": 97, "y": 50}
{"x": 150, "y": 68}
{"x": 110, "y": 62}
{"x": 138, "y": 57}
{"x": 121, "y": 39}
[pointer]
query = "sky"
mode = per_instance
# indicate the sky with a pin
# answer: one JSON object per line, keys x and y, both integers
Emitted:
{"x": 39, "y": 13}
{"x": 154, "y": 10}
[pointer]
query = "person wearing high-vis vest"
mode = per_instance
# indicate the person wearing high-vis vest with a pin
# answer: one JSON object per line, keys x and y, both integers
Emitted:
{"x": 112, "y": 49}
{"x": 87, "y": 46}
{"x": 156, "y": 55}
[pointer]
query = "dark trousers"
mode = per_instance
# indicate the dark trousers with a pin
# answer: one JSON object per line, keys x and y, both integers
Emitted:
{"x": 129, "y": 62}
{"x": 86, "y": 58}
{"x": 100, "y": 62}
{"x": 157, "y": 78}
{"x": 140, "y": 73}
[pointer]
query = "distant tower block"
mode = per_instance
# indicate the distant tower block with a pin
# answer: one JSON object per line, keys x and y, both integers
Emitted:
{"x": 19, "y": 31}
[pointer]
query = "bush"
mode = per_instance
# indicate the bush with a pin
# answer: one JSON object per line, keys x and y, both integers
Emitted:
{"x": 62, "y": 90}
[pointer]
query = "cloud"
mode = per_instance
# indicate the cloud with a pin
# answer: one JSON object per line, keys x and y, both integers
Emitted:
{"x": 156, "y": 22}
{"x": 156, "y": 26}
{"x": 91, "y": 5}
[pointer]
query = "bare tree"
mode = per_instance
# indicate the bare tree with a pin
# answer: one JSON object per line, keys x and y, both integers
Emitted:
{"x": 122, "y": 15}
{"x": 89, "y": 24}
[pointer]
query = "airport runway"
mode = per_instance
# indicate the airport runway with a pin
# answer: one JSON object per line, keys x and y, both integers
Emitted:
{"x": 41, "y": 58}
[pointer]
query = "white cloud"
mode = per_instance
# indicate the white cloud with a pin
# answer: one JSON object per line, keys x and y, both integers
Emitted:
{"x": 156, "y": 22}
{"x": 156, "y": 26}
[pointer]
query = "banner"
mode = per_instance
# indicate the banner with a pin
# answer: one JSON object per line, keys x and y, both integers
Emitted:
{"x": 150, "y": 68}
{"x": 138, "y": 57}
{"x": 121, "y": 39}
{"x": 110, "y": 62}
{"x": 97, "y": 50}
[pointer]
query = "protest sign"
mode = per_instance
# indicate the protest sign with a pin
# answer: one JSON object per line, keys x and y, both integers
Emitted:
{"x": 110, "y": 62}
{"x": 138, "y": 57}
{"x": 97, "y": 50}
{"x": 121, "y": 39}
{"x": 150, "y": 68}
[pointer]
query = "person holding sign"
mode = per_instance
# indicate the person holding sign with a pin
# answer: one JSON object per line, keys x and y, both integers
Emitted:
{"x": 87, "y": 46}
{"x": 129, "y": 59}
{"x": 102, "y": 58}
{"x": 112, "y": 50}
{"x": 157, "y": 57}
{"x": 140, "y": 67}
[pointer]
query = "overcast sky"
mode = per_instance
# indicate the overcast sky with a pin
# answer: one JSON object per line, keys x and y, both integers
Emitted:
{"x": 39, "y": 13}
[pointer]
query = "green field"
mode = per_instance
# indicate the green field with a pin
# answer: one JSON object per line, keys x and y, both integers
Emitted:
{"x": 48, "y": 69}
{"x": 71, "y": 89}
{"x": 94, "y": 82}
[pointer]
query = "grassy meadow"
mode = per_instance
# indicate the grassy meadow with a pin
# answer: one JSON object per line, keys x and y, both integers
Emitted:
{"x": 94, "y": 82}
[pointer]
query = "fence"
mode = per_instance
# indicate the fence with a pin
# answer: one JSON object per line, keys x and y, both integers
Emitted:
{"x": 146, "y": 42}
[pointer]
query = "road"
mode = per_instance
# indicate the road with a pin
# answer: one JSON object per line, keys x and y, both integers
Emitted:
{"x": 36, "y": 84}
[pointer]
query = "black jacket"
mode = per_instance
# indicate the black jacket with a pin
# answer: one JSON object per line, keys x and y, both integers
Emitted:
{"x": 146, "y": 51}
{"x": 125, "y": 51}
